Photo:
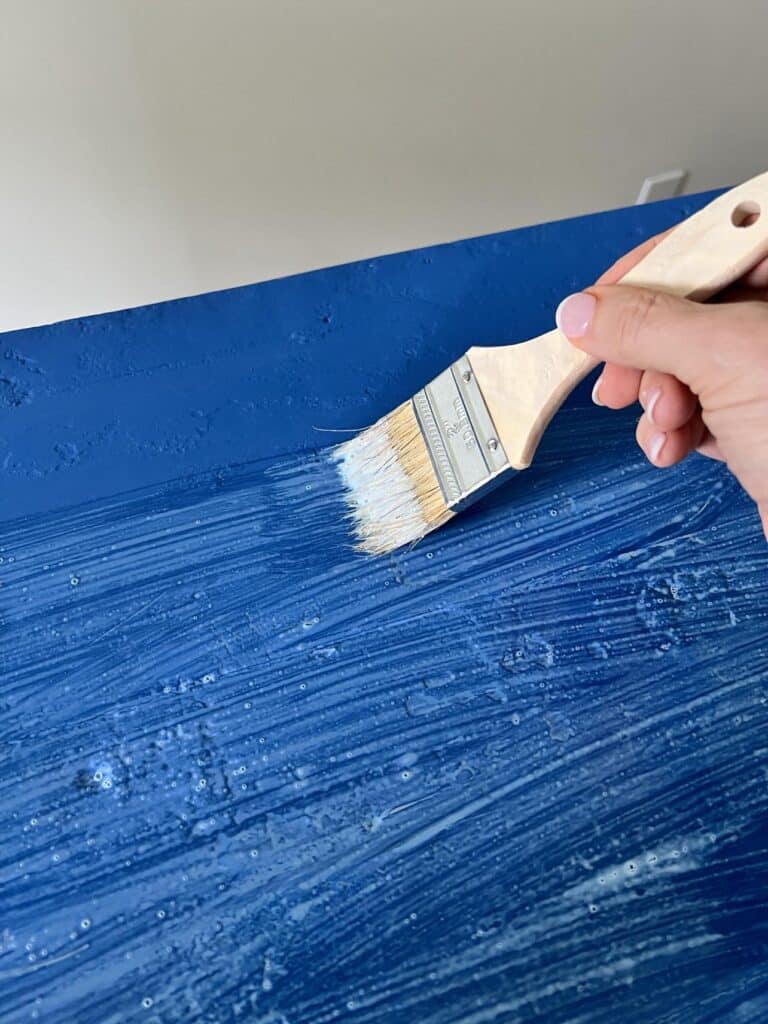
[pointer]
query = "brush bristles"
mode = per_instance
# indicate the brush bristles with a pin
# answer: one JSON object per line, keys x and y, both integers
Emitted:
{"x": 391, "y": 488}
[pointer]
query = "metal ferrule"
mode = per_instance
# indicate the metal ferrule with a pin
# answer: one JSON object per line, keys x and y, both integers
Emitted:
{"x": 466, "y": 453}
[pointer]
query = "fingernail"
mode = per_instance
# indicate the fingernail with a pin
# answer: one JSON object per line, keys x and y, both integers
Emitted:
{"x": 655, "y": 444}
{"x": 596, "y": 391}
{"x": 574, "y": 314}
{"x": 654, "y": 397}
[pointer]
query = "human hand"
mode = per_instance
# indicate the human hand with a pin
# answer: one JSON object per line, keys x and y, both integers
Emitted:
{"x": 700, "y": 371}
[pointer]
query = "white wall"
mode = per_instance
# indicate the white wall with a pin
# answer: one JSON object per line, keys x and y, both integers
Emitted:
{"x": 153, "y": 148}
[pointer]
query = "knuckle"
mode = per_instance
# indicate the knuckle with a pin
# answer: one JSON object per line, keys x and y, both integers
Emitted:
{"x": 635, "y": 315}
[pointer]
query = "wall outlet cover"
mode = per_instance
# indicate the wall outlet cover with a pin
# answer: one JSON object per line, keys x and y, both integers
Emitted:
{"x": 665, "y": 185}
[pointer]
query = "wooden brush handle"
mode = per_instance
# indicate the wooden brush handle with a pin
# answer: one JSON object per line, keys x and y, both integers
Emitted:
{"x": 524, "y": 385}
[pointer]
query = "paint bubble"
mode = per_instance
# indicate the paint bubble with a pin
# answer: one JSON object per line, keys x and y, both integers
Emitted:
{"x": 85, "y": 924}
{"x": 531, "y": 651}
{"x": 374, "y": 823}
{"x": 598, "y": 650}
{"x": 147, "y": 1002}
{"x": 558, "y": 727}
{"x": 74, "y": 580}
{"x": 324, "y": 653}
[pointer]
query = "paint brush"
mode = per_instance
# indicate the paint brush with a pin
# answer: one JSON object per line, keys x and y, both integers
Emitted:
{"x": 481, "y": 420}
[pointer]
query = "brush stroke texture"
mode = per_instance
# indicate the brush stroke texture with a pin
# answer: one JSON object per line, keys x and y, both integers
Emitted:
{"x": 516, "y": 773}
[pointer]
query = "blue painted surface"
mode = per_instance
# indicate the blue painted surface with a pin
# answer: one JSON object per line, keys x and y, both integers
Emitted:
{"x": 518, "y": 773}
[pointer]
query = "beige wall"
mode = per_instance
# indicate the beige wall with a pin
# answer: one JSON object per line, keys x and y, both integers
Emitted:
{"x": 153, "y": 148}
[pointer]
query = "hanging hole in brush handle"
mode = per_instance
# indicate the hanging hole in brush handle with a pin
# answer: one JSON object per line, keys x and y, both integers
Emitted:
{"x": 711, "y": 249}
{"x": 746, "y": 214}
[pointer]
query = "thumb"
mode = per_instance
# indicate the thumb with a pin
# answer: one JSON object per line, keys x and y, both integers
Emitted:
{"x": 641, "y": 328}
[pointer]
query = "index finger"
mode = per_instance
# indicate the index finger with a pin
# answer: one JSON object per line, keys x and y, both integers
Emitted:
{"x": 620, "y": 385}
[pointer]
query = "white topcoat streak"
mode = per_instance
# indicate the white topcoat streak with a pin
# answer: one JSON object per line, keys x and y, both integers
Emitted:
{"x": 395, "y": 784}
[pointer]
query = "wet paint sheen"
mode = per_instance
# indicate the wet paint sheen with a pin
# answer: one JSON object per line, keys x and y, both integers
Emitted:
{"x": 516, "y": 773}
